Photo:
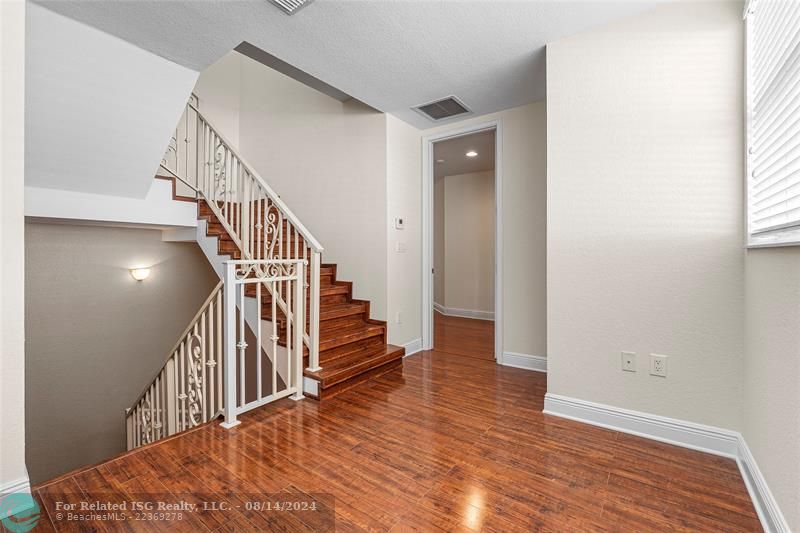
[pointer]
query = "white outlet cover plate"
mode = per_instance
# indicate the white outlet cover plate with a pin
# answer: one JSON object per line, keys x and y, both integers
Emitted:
{"x": 658, "y": 365}
{"x": 628, "y": 361}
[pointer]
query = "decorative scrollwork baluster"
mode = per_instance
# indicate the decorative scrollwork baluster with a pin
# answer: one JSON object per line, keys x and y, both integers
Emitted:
{"x": 146, "y": 426}
{"x": 195, "y": 394}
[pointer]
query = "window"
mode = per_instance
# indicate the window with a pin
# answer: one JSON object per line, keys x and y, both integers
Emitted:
{"x": 773, "y": 121}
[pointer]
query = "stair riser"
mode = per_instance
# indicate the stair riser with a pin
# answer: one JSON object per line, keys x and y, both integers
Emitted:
{"x": 327, "y": 356}
{"x": 347, "y": 335}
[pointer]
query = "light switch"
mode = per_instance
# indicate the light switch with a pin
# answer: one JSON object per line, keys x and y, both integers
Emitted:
{"x": 399, "y": 223}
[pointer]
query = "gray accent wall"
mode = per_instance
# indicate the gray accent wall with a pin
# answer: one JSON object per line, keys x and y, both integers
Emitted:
{"x": 95, "y": 337}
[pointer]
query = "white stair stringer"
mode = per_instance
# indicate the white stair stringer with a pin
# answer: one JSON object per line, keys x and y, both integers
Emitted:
{"x": 209, "y": 246}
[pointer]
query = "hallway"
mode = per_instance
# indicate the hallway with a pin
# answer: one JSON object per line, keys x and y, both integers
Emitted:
{"x": 466, "y": 337}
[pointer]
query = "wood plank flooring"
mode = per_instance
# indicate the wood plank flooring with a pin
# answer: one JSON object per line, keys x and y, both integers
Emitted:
{"x": 447, "y": 442}
{"x": 463, "y": 336}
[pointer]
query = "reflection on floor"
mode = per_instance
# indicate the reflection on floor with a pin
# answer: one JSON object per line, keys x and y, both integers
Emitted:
{"x": 446, "y": 442}
{"x": 463, "y": 336}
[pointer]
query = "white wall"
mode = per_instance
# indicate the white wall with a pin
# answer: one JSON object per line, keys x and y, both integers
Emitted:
{"x": 644, "y": 212}
{"x": 218, "y": 89}
{"x": 325, "y": 158}
{"x": 772, "y": 372}
{"x": 439, "y": 266}
{"x": 13, "y": 476}
{"x": 99, "y": 111}
{"x": 524, "y": 169}
{"x": 469, "y": 252}
{"x": 403, "y": 199}
{"x": 156, "y": 209}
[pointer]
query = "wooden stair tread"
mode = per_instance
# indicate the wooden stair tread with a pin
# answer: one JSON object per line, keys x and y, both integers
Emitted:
{"x": 340, "y": 337}
{"x": 352, "y": 347}
{"x": 338, "y": 310}
{"x": 335, "y": 288}
{"x": 355, "y": 364}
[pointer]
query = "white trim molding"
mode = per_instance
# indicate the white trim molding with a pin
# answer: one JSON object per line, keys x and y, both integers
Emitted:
{"x": 682, "y": 433}
{"x": 427, "y": 227}
{"x": 537, "y": 363}
{"x": 21, "y": 485}
{"x": 769, "y": 513}
{"x": 670, "y": 430}
{"x": 463, "y": 313}
{"x": 413, "y": 347}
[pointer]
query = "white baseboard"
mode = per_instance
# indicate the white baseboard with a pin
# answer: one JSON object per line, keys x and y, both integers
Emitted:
{"x": 537, "y": 363}
{"x": 670, "y": 430}
{"x": 22, "y": 484}
{"x": 16, "y": 486}
{"x": 463, "y": 313}
{"x": 691, "y": 435}
{"x": 311, "y": 386}
{"x": 413, "y": 347}
{"x": 769, "y": 513}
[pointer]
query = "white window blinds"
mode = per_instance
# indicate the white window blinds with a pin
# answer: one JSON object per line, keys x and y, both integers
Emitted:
{"x": 773, "y": 121}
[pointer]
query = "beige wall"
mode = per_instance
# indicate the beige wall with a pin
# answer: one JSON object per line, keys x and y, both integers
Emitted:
{"x": 439, "y": 266}
{"x": 217, "y": 89}
{"x": 772, "y": 372}
{"x": 467, "y": 245}
{"x": 98, "y": 336}
{"x": 326, "y": 159}
{"x": 12, "y": 324}
{"x": 644, "y": 212}
{"x": 524, "y": 193}
{"x": 403, "y": 199}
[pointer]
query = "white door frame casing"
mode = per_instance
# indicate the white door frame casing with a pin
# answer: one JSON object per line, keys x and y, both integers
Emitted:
{"x": 427, "y": 229}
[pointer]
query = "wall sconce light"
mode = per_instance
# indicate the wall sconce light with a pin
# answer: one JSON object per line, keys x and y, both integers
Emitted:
{"x": 140, "y": 274}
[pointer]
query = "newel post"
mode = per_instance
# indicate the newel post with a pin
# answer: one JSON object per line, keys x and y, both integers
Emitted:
{"x": 229, "y": 346}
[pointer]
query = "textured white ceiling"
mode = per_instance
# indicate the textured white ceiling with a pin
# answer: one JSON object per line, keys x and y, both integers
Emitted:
{"x": 390, "y": 54}
{"x": 452, "y": 152}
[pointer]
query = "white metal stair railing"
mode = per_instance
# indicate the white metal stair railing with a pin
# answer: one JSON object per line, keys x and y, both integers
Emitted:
{"x": 188, "y": 390}
{"x": 255, "y": 217}
{"x": 247, "y": 383}
{"x": 210, "y": 370}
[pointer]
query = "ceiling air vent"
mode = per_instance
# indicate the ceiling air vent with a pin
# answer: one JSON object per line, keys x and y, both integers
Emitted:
{"x": 290, "y": 7}
{"x": 442, "y": 109}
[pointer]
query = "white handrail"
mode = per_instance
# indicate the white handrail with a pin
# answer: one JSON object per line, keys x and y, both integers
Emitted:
{"x": 187, "y": 390}
{"x": 311, "y": 241}
{"x": 254, "y": 216}
{"x": 210, "y": 370}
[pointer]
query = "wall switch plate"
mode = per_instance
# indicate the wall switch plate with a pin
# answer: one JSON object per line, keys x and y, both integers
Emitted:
{"x": 629, "y": 361}
{"x": 399, "y": 223}
{"x": 658, "y": 365}
{"x": 398, "y": 318}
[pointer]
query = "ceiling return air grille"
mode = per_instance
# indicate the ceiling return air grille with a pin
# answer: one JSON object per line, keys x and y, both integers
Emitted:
{"x": 290, "y": 7}
{"x": 442, "y": 109}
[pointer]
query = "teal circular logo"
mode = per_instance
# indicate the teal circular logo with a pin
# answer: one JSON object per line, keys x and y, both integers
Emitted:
{"x": 19, "y": 512}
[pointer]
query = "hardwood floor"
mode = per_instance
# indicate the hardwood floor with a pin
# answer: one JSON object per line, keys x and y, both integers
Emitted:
{"x": 463, "y": 336}
{"x": 444, "y": 442}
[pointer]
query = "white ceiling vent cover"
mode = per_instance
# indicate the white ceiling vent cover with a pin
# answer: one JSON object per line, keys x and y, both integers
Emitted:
{"x": 441, "y": 109}
{"x": 290, "y": 7}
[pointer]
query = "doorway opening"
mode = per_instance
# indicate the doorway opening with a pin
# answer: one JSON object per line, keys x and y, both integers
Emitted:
{"x": 461, "y": 256}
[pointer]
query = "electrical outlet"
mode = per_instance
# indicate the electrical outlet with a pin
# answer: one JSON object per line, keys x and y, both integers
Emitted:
{"x": 658, "y": 365}
{"x": 629, "y": 361}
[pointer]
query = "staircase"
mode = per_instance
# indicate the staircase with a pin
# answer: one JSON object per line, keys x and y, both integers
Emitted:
{"x": 344, "y": 346}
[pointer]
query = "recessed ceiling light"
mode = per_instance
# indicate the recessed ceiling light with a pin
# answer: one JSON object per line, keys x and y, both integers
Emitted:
{"x": 440, "y": 161}
{"x": 472, "y": 153}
